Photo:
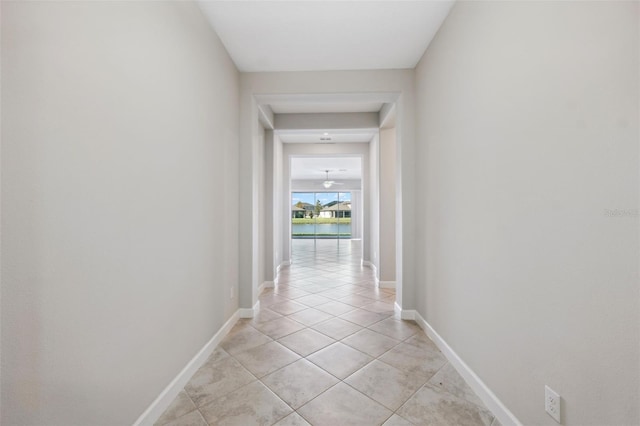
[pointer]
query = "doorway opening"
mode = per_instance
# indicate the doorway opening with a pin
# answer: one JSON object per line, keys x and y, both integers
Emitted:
{"x": 317, "y": 127}
{"x": 325, "y": 200}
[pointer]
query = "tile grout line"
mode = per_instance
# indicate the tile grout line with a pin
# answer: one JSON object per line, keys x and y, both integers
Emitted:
{"x": 353, "y": 290}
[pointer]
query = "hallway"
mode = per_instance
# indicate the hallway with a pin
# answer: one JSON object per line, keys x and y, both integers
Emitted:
{"x": 149, "y": 165}
{"x": 325, "y": 349}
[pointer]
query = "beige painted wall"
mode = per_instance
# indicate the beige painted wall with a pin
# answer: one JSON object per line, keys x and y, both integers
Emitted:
{"x": 278, "y": 208}
{"x": 387, "y": 182}
{"x": 371, "y": 206}
{"x": 527, "y": 137}
{"x": 119, "y": 195}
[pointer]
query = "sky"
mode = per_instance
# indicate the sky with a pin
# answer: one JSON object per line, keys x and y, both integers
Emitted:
{"x": 324, "y": 197}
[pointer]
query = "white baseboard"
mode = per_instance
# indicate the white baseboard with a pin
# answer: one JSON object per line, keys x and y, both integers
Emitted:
{"x": 166, "y": 397}
{"x": 490, "y": 400}
{"x": 282, "y": 265}
{"x": 374, "y": 269}
{"x": 249, "y": 312}
{"x": 405, "y": 314}
{"x": 265, "y": 284}
{"x": 276, "y": 280}
{"x": 370, "y": 265}
{"x": 387, "y": 284}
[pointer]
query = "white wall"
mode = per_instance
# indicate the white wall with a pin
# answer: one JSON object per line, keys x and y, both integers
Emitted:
{"x": 278, "y": 196}
{"x": 527, "y": 135}
{"x": 387, "y": 184}
{"x": 119, "y": 163}
{"x": 263, "y": 245}
{"x": 267, "y": 209}
{"x": 356, "y": 214}
{"x": 333, "y": 121}
{"x": 372, "y": 207}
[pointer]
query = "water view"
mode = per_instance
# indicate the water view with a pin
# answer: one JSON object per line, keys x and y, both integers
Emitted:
{"x": 302, "y": 230}
{"x": 321, "y": 215}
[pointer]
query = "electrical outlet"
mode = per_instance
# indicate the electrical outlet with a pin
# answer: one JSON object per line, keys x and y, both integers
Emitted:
{"x": 552, "y": 403}
{"x": 232, "y": 292}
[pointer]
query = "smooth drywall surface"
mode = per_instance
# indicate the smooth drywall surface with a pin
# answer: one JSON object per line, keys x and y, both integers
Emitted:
{"x": 262, "y": 168}
{"x": 387, "y": 184}
{"x": 528, "y": 145}
{"x": 398, "y": 83}
{"x": 357, "y": 215}
{"x": 278, "y": 212}
{"x": 372, "y": 207}
{"x": 119, "y": 195}
{"x": 345, "y": 120}
{"x": 268, "y": 209}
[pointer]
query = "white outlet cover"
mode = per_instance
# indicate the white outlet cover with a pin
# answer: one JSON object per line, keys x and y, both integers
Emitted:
{"x": 552, "y": 403}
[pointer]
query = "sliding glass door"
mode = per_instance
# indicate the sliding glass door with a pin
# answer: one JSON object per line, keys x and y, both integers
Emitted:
{"x": 321, "y": 215}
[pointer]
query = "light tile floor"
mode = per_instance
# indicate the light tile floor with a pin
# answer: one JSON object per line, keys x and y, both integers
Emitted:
{"x": 325, "y": 349}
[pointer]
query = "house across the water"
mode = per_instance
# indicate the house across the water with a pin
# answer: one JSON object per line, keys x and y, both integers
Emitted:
{"x": 337, "y": 210}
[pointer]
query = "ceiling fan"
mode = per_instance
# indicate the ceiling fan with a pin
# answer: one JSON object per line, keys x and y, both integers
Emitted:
{"x": 329, "y": 183}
